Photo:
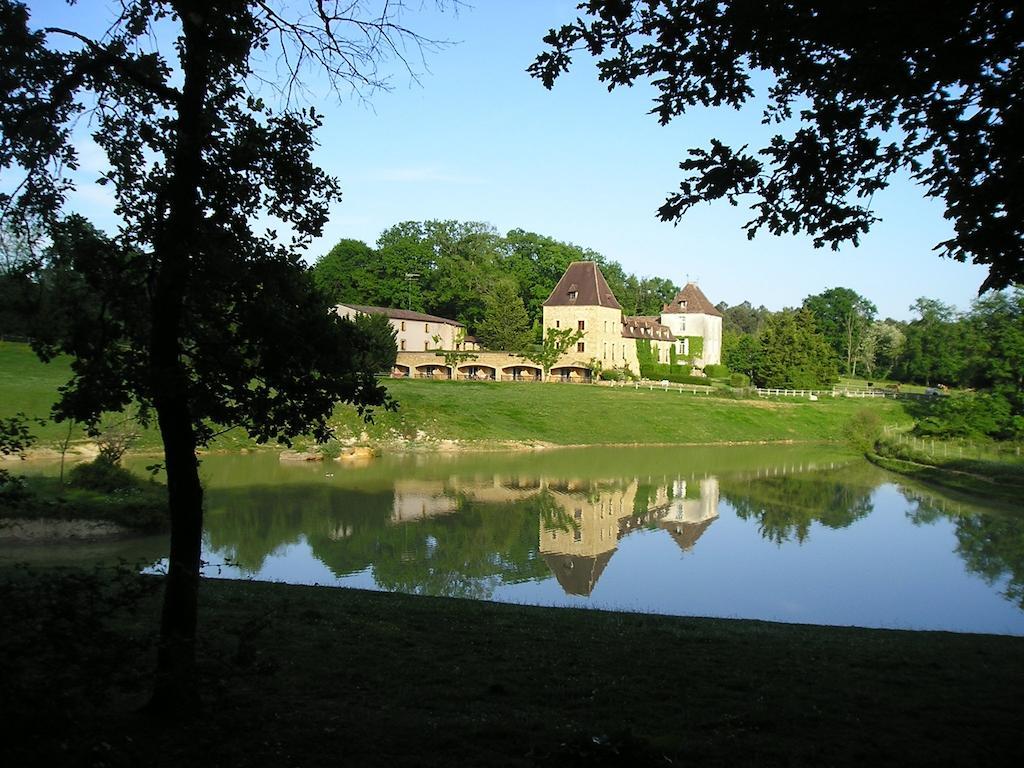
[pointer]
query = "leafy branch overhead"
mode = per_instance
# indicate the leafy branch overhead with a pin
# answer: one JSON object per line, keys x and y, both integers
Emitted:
{"x": 861, "y": 91}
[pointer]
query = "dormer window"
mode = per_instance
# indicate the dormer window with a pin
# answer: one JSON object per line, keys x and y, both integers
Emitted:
{"x": 573, "y": 295}
{"x": 682, "y": 304}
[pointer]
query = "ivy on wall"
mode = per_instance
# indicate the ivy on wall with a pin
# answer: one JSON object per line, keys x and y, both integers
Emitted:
{"x": 651, "y": 369}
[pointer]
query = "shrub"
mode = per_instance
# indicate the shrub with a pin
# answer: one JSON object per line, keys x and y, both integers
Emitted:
{"x": 716, "y": 371}
{"x": 102, "y": 475}
{"x": 864, "y": 429}
{"x": 980, "y": 415}
{"x": 739, "y": 380}
{"x": 611, "y": 375}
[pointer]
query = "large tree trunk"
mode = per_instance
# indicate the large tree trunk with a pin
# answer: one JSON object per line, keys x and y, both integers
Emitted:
{"x": 176, "y": 691}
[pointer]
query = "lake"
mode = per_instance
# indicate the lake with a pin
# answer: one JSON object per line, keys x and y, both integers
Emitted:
{"x": 782, "y": 533}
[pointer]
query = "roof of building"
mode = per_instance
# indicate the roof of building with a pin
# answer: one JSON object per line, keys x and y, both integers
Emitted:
{"x": 686, "y": 534}
{"x": 401, "y": 314}
{"x": 691, "y": 301}
{"x": 577, "y": 574}
{"x": 582, "y": 285}
{"x": 645, "y": 328}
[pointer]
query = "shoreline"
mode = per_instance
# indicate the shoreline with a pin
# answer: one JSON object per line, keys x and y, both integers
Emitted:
{"x": 49, "y": 455}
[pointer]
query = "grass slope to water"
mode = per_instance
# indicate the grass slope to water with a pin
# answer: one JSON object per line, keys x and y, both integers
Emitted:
{"x": 314, "y": 676}
{"x": 482, "y": 412}
{"x": 974, "y": 478}
{"x": 566, "y": 414}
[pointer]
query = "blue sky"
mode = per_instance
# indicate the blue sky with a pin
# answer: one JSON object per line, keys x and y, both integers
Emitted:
{"x": 478, "y": 140}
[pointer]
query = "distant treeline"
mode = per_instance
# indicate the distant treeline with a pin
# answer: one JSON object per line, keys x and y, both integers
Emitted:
{"x": 452, "y": 268}
{"x": 837, "y": 330}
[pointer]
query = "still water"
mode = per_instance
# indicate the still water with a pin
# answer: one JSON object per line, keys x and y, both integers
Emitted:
{"x": 796, "y": 534}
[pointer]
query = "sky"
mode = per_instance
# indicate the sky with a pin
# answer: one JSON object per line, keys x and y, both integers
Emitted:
{"x": 475, "y": 138}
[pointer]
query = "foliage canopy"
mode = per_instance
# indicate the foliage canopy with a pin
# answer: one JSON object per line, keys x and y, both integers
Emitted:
{"x": 862, "y": 91}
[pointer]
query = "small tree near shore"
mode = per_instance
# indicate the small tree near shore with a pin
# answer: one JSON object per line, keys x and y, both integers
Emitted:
{"x": 452, "y": 357}
{"x": 556, "y": 342}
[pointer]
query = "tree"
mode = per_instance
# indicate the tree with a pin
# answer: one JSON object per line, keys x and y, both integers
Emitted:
{"x": 453, "y": 357}
{"x": 742, "y": 318}
{"x": 378, "y": 343}
{"x": 18, "y": 291}
{"x": 870, "y": 90}
{"x": 793, "y": 354}
{"x": 842, "y": 316}
{"x": 996, "y": 358}
{"x": 505, "y": 325}
{"x": 933, "y": 349}
{"x": 443, "y": 267}
{"x": 537, "y": 263}
{"x": 15, "y": 438}
{"x": 557, "y": 342}
{"x": 881, "y": 348}
{"x": 200, "y": 319}
{"x": 343, "y": 274}
{"x": 740, "y": 352}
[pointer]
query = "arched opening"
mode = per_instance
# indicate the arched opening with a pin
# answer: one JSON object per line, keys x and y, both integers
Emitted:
{"x": 477, "y": 372}
{"x": 521, "y": 373}
{"x": 572, "y": 374}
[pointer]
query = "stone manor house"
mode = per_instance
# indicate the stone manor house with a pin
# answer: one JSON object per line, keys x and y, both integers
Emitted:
{"x": 689, "y": 326}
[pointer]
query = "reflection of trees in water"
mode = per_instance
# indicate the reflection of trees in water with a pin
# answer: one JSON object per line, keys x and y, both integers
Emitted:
{"x": 246, "y": 525}
{"x": 990, "y": 543}
{"x": 785, "y": 507}
{"x": 467, "y": 554}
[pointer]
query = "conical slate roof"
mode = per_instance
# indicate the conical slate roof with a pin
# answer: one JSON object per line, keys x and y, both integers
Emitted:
{"x": 577, "y": 574}
{"x": 582, "y": 285}
{"x": 691, "y": 301}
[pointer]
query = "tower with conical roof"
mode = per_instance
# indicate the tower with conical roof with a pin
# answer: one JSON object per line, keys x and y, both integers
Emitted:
{"x": 692, "y": 314}
{"x": 582, "y": 300}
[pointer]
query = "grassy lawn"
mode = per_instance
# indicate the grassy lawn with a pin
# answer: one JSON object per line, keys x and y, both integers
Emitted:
{"x": 482, "y": 412}
{"x": 566, "y": 414}
{"x": 311, "y": 676}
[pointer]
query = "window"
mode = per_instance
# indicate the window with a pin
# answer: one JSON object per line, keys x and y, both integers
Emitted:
{"x": 426, "y": 327}
{"x": 580, "y": 325}
{"x": 682, "y": 324}
{"x": 573, "y": 295}
{"x": 403, "y": 345}
{"x": 426, "y": 345}
{"x": 577, "y": 536}
{"x": 580, "y": 347}
{"x": 558, "y": 323}
{"x": 682, "y": 304}
{"x": 403, "y": 325}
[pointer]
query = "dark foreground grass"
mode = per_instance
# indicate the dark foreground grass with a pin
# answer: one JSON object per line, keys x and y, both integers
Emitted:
{"x": 305, "y": 676}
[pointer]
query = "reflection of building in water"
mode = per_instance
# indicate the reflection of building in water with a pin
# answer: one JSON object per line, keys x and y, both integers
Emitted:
{"x": 578, "y": 541}
{"x": 581, "y": 522}
{"x": 686, "y": 519}
{"x": 417, "y": 499}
